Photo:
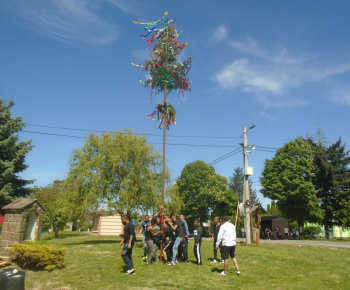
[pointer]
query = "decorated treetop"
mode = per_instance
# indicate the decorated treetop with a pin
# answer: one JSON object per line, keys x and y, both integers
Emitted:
{"x": 163, "y": 66}
{"x": 164, "y": 71}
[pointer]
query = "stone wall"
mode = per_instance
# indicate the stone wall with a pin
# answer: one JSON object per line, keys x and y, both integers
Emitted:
{"x": 15, "y": 226}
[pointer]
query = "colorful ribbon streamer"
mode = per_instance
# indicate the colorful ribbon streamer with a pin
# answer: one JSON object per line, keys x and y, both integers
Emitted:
{"x": 163, "y": 67}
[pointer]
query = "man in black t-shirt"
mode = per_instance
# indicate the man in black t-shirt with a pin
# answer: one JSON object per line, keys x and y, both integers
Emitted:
{"x": 168, "y": 243}
{"x": 214, "y": 237}
{"x": 129, "y": 241}
{"x": 150, "y": 234}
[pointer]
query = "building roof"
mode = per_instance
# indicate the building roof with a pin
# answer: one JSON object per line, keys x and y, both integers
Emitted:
{"x": 274, "y": 217}
{"x": 22, "y": 204}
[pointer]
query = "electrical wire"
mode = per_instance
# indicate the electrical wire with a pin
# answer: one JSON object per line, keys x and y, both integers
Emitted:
{"x": 228, "y": 155}
{"x": 155, "y": 143}
{"x": 156, "y": 135}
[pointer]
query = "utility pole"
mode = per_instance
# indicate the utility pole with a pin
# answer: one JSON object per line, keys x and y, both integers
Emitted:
{"x": 246, "y": 191}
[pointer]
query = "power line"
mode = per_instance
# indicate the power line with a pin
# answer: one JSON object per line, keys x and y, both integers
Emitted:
{"x": 228, "y": 155}
{"x": 171, "y": 144}
{"x": 156, "y": 135}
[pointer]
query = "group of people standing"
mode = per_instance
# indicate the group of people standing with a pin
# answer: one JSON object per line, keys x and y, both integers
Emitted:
{"x": 172, "y": 237}
{"x": 277, "y": 234}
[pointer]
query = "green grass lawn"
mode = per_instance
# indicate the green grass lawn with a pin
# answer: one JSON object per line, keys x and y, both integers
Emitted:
{"x": 94, "y": 263}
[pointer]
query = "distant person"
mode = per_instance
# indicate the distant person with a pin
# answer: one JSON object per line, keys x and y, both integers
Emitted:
{"x": 197, "y": 235}
{"x": 243, "y": 232}
{"x": 143, "y": 232}
{"x": 214, "y": 238}
{"x": 227, "y": 239}
{"x": 129, "y": 241}
{"x": 286, "y": 233}
{"x": 301, "y": 233}
{"x": 279, "y": 234}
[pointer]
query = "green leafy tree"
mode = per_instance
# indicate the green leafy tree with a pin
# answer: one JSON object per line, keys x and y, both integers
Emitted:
{"x": 12, "y": 156}
{"x": 236, "y": 182}
{"x": 287, "y": 178}
{"x": 331, "y": 180}
{"x": 199, "y": 187}
{"x": 53, "y": 199}
{"x": 272, "y": 210}
{"x": 225, "y": 204}
{"x": 118, "y": 169}
{"x": 173, "y": 202}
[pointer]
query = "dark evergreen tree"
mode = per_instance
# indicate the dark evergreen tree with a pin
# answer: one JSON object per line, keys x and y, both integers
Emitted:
{"x": 332, "y": 182}
{"x": 12, "y": 156}
{"x": 236, "y": 182}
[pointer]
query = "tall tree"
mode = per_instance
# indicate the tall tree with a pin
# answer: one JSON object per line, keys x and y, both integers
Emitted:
{"x": 236, "y": 182}
{"x": 331, "y": 180}
{"x": 339, "y": 158}
{"x": 226, "y": 202}
{"x": 198, "y": 187}
{"x": 12, "y": 156}
{"x": 287, "y": 178}
{"x": 53, "y": 199}
{"x": 272, "y": 209}
{"x": 118, "y": 169}
{"x": 173, "y": 202}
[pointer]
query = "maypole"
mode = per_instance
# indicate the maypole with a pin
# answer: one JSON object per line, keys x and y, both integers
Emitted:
{"x": 164, "y": 73}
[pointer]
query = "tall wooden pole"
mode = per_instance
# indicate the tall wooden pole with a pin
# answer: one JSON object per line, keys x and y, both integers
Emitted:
{"x": 163, "y": 170}
{"x": 164, "y": 138}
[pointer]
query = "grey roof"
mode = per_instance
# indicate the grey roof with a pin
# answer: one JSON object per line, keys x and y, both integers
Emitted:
{"x": 275, "y": 217}
{"x": 22, "y": 204}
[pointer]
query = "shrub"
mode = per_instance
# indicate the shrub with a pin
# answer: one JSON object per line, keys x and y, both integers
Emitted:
{"x": 35, "y": 256}
{"x": 312, "y": 232}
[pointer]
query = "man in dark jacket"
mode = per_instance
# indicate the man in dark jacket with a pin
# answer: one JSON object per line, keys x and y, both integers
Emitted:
{"x": 197, "y": 234}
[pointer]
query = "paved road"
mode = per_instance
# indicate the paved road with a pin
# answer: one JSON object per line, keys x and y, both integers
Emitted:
{"x": 305, "y": 243}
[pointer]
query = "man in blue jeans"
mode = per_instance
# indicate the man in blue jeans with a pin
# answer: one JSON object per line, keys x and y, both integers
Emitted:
{"x": 129, "y": 241}
{"x": 175, "y": 225}
{"x": 183, "y": 248}
{"x": 143, "y": 230}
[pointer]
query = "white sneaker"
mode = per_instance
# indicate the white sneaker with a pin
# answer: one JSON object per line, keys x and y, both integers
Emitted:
{"x": 128, "y": 272}
{"x": 238, "y": 272}
{"x": 222, "y": 261}
{"x": 223, "y": 273}
{"x": 213, "y": 261}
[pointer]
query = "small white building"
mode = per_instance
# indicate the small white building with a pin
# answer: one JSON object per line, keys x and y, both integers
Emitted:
{"x": 107, "y": 225}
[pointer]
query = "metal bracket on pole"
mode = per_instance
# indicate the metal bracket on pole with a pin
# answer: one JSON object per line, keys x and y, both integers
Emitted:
{"x": 254, "y": 208}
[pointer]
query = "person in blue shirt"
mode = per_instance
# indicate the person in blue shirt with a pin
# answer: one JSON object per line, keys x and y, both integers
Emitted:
{"x": 143, "y": 232}
{"x": 183, "y": 253}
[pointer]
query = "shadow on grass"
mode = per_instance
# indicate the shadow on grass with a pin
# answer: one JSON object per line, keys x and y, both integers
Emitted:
{"x": 62, "y": 235}
{"x": 216, "y": 269}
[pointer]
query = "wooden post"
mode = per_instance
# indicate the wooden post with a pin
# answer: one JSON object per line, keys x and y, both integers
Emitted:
{"x": 163, "y": 171}
{"x": 258, "y": 227}
{"x": 236, "y": 215}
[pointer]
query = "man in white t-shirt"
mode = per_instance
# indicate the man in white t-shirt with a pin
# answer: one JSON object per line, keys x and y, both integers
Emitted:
{"x": 286, "y": 233}
{"x": 227, "y": 238}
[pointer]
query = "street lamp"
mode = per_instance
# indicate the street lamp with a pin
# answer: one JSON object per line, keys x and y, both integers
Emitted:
{"x": 248, "y": 171}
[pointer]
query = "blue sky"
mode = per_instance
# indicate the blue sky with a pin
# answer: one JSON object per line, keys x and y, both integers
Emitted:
{"x": 283, "y": 66}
